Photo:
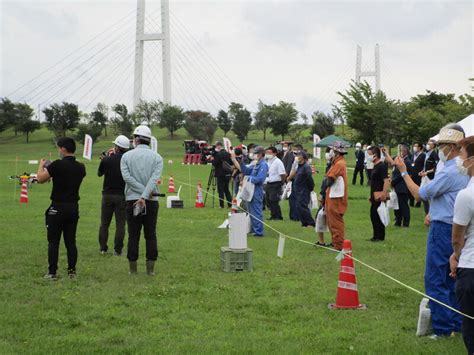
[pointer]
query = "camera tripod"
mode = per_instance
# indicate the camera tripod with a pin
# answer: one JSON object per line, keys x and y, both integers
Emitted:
{"x": 211, "y": 181}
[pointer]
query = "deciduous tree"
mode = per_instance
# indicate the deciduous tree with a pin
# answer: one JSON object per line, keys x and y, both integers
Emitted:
{"x": 242, "y": 120}
{"x": 61, "y": 118}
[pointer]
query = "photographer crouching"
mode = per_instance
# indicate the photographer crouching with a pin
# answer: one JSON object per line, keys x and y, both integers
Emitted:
{"x": 141, "y": 168}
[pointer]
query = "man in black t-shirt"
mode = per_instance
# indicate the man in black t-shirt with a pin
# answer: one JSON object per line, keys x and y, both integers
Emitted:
{"x": 113, "y": 197}
{"x": 223, "y": 171}
{"x": 379, "y": 182}
{"x": 63, "y": 213}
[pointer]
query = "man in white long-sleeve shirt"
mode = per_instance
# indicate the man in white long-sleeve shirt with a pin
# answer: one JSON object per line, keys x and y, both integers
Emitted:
{"x": 141, "y": 168}
{"x": 274, "y": 182}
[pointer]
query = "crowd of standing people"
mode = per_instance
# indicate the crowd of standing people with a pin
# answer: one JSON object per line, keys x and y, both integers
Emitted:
{"x": 438, "y": 175}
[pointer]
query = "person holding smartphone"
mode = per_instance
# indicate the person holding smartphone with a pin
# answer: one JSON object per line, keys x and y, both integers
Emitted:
{"x": 141, "y": 168}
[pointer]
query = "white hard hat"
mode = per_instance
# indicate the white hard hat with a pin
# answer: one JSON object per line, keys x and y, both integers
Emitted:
{"x": 142, "y": 131}
{"x": 122, "y": 142}
{"x": 358, "y": 145}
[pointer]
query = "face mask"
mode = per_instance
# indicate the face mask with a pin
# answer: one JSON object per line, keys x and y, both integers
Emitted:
{"x": 252, "y": 156}
{"x": 429, "y": 147}
{"x": 331, "y": 154}
{"x": 370, "y": 158}
{"x": 268, "y": 156}
{"x": 297, "y": 159}
{"x": 244, "y": 151}
{"x": 217, "y": 149}
{"x": 327, "y": 156}
{"x": 415, "y": 149}
{"x": 442, "y": 156}
{"x": 357, "y": 149}
{"x": 285, "y": 149}
{"x": 460, "y": 166}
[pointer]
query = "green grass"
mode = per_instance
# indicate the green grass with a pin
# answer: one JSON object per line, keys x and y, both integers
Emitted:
{"x": 190, "y": 305}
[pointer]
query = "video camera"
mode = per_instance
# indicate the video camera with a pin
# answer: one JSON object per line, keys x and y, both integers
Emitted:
{"x": 209, "y": 151}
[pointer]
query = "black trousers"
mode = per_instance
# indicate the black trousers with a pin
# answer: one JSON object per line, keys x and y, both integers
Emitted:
{"x": 402, "y": 215}
{"x": 62, "y": 218}
{"x": 465, "y": 297}
{"x": 112, "y": 204}
{"x": 359, "y": 170}
{"x": 302, "y": 202}
{"x": 377, "y": 225}
{"x": 223, "y": 190}
{"x": 272, "y": 198}
{"x": 135, "y": 224}
{"x": 369, "y": 175}
{"x": 293, "y": 207}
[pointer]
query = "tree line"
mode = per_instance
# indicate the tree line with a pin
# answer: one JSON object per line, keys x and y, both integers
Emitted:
{"x": 371, "y": 116}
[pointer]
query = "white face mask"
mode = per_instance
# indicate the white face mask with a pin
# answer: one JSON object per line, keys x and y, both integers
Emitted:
{"x": 442, "y": 156}
{"x": 252, "y": 156}
{"x": 460, "y": 166}
{"x": 370, "y": 158}
{"x": 285, "y": 149}
{"x": 297, "y": 159}
{"x": 327, "y": 156}
{"x": 331, "y": 154}
{"x": 268, "y": 156}
{"x": 415, "y": 149}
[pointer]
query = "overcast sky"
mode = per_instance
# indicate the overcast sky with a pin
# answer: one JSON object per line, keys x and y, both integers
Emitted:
{"x": 297, "y": 51}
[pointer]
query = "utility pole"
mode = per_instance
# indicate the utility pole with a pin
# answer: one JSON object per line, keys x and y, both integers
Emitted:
{"x": 375, "y": 73}
{"x": 140, "y": 39}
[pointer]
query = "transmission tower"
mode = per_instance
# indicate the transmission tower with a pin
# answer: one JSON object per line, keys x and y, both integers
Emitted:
{"x": 141, "y": 38}
{"x": 375, "y": 73}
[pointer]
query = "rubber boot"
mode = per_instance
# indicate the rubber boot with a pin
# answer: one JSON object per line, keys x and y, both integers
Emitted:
{"x": 133, "y": 267}
{"x": 150, "y": 267}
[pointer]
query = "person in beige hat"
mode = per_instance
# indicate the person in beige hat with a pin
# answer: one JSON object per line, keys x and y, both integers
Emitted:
{"x": 441, "y": 192}
{"x": 336, "y": 203}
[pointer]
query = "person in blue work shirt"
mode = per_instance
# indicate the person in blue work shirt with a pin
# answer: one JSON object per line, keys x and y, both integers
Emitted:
{"x": 441, "y": 192}
{"x": 257, "y": 172}
{"x": 141, "y": 168}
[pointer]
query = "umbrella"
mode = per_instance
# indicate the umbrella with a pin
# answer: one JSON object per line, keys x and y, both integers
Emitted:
{"x": 329, "y": 140}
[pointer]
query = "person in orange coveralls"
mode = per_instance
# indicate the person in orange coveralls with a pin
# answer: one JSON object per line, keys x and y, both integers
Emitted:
{"x": 336, "y": 194}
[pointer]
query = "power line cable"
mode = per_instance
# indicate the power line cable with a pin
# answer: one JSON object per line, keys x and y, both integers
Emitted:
{"x": 71, "y": 53}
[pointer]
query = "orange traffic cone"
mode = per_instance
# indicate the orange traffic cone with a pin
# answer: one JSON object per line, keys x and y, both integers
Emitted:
{"x": 24, "y": 191}
{"x": 199, "y": 199}
{"x": 171, "y": 185}
{"x": 235, "y": 207}
{"x": 347, "y": 294}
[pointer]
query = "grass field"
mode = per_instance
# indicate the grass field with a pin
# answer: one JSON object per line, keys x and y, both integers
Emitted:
{"x": 190, "y": 305}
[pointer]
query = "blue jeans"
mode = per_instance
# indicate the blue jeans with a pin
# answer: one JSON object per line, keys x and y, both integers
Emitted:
{"x": 438, "y": 283}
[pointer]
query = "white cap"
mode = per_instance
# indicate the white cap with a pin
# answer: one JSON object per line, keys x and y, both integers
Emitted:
{"x": 142, "y": 131}
{"x": 358, "y": 145}
{"x": 122, "y": 142}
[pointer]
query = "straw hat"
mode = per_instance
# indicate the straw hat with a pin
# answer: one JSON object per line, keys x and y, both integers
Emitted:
{"x": 338, "y": 146}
